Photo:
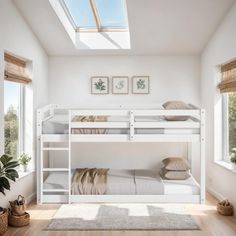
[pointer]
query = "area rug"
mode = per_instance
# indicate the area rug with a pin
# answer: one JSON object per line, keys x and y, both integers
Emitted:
{"x": 122, "y": 217}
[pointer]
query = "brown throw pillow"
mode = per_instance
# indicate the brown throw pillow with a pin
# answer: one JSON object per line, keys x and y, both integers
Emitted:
{"x": 176, "y": 164}
{"x": 174, "y": 105}
{"x": 174, "y": 175}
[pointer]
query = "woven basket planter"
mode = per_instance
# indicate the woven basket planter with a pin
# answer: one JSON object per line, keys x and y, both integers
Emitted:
{"x": 18, "y": 221}
{"x": 225, "y": 210}
{"x": 3, "y": 222}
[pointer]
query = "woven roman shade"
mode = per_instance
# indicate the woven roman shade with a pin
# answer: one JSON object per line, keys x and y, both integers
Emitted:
{"x": 15, "y": 69}
{"x": 228, "y": 83}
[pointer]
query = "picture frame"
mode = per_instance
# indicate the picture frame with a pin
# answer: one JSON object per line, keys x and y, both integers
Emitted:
{"x": 120, "y": 85}
{"x": 99, "y": 85}
{"x": 140, "y": 85}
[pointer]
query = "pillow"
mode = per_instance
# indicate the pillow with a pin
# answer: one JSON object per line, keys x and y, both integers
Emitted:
{"x": 174, "y": 175}
{"x": 176, "y": 105}
{"x": 176, "y": 164}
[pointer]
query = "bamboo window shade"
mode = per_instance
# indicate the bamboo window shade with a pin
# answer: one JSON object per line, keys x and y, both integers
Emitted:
{"x": 228, "y": 83}
{"x": 15, "y": 70}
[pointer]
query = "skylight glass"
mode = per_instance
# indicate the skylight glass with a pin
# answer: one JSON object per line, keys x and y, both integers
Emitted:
{"x": 97, "y": 14}
{"x": 112, "y": 13}
{"x": 81, "y": 13}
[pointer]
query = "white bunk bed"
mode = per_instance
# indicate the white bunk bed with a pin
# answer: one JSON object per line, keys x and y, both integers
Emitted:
{"x": 57, "y": 124}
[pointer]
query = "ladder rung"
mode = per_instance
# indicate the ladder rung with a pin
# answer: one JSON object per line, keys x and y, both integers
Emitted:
{"x": 55, "y": 149}
{"x": 55, "y": 169}
{"x": 56, "y": 190}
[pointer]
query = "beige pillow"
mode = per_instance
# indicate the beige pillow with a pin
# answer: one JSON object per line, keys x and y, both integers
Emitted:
{"x": 176, "y": 164}
{"x": 174, "y": 175}
{"x": 176, "y": 105}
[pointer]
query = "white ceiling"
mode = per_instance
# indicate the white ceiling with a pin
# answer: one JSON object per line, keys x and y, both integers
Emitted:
{"x": 157, "y": 27}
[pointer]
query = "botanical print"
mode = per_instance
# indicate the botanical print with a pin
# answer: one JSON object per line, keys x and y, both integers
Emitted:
{"x": 140, "y": 84}
{"x": 99, "y": 85}
{"x": 120, "y": 85}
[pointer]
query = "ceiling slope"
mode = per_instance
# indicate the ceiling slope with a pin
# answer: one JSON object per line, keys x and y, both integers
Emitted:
{"x": 157, "y": 27}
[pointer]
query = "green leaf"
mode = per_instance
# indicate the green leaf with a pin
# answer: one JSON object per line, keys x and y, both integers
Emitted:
{"x": 12, "y": 172}
{"x": 5, "y": 159}
{"x": 13, "y": 178}
{"x": 11, "y": 164}
{"x": 4, "y": 183}
{"x": 2, "y": 190}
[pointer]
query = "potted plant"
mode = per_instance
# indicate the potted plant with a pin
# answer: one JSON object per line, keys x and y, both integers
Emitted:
{"x": 7, "y": 172}
{"x": 24, "y": 159}
{"x": 233, "y": 157}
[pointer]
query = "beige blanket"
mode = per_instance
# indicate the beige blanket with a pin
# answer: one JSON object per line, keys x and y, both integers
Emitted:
{"x": 89, "y": 181}
{"x": 90, "y": 130}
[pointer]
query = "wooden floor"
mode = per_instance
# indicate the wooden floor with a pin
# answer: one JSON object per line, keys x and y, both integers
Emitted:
{"x": 205, "y": 215}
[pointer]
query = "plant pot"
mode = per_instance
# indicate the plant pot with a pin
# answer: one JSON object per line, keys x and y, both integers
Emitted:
{"x": 3, "y": 222}
{"x": 25, "y": 167}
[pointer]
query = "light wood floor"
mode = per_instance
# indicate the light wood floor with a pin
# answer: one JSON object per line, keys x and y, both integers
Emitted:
{"x": 205, "y": 215}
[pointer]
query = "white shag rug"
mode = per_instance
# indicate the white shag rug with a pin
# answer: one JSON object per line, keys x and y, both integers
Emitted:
{"x": 121, "y": 217}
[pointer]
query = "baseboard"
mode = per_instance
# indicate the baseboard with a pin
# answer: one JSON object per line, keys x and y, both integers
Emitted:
{"x": 217, "y": 195}
{"x": 30, "y": 198}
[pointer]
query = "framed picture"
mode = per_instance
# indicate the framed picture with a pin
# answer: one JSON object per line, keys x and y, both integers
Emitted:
{"x": 120, "y": 85}
{"x": 100, "y": 85}
{"x": 140, "y": 84}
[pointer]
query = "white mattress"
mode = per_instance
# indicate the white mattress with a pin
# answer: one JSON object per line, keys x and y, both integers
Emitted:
{"x": 58, "y": 124}
{"x": 120, "y": 182}
{"x": 148, "y": 182}
{"x": 186, "y": 187}
{"x": 130, "y": 182}
{"x": 56, "y": 180}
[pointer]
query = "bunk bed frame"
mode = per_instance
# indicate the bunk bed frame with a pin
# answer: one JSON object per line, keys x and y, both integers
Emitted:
{"x": 52, "y": 195}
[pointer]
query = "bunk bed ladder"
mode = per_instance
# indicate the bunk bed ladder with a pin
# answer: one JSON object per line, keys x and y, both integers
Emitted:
{"x": 52, "y": 169}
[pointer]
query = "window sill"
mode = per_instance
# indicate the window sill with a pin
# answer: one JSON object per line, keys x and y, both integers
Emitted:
{"x": 24, "y": 174}
{"x": 226, "y": 165}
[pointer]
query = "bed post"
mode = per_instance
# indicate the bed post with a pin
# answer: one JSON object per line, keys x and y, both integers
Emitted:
{"x": 131, "y": 124}
{"x": 69, "y": 158}
{"x": 38, "y": 155}
{"x": 202, "y": 159}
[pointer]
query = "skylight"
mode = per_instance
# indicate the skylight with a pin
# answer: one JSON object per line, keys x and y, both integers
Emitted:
{"x": 97, "y": 15}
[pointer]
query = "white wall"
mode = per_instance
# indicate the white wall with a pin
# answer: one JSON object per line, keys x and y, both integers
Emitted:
{"x": 220, "y": 49}
{"x": 16, "y": 37}
{"x": 170, "y": 78}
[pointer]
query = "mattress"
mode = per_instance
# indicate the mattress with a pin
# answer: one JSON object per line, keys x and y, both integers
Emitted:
{"x": 148, "y": 182}
{"x": 56, "y": 180}
{"x": 58, "y": 124}
{"x": 120, "y": 182}
{"x": 131, "y": 182}
{"x": 185, "y": 187}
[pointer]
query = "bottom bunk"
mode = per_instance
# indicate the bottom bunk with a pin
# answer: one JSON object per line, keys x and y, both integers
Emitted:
{"x": 125, "y": 186}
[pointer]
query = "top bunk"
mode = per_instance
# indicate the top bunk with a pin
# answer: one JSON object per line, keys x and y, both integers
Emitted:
{"x": 121, "y": 124}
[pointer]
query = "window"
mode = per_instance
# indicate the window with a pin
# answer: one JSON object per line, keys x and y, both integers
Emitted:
{"x": 96, "y": 15}
{"x": 229, "y": 124}
{"x": 13, "y": 118}
{"x": 228, "y": 89}
{"x": 16, "y": 76}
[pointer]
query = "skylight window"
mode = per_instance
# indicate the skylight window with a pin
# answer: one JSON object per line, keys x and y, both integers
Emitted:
{"x": 97, "y": 15}
{"x": 80, "y": 11}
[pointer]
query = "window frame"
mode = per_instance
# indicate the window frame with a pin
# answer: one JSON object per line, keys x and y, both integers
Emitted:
{"x": 225, "y": 128}
{"x": 21, "y": 119}
{"x": 99, "y": 27}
